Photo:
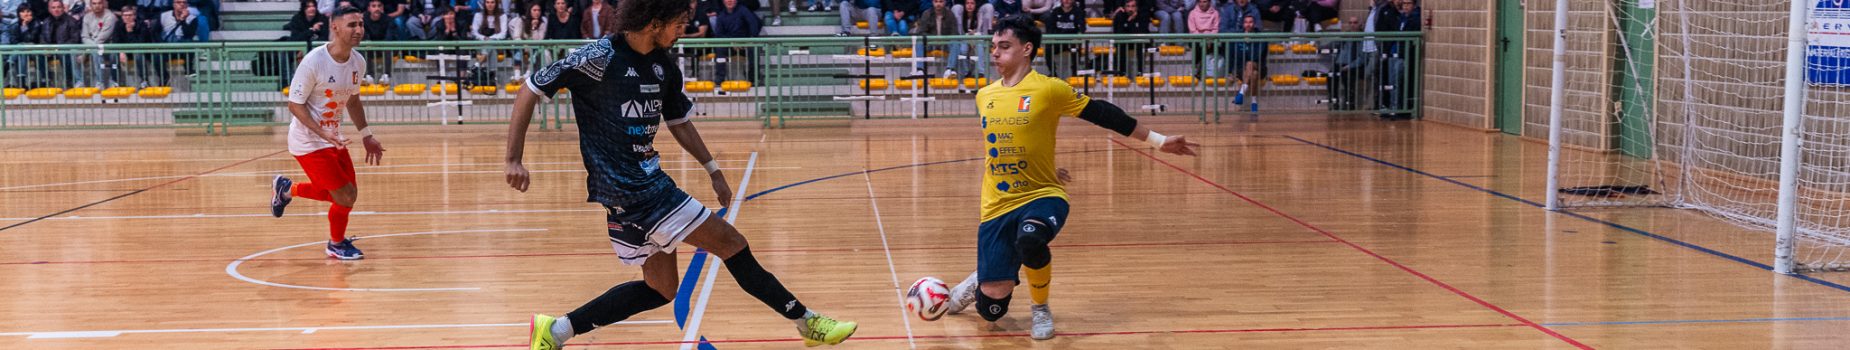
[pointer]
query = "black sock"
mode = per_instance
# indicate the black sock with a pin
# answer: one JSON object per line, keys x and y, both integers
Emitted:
{"x": 762, "y": 285}
{"x": 617, "y": 304}
{"x": 992, "y": 309}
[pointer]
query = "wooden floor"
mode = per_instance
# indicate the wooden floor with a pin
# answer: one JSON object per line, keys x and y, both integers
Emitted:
{"x": 1305, "y": 232}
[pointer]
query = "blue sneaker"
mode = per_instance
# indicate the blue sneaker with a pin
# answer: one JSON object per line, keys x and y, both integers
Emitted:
{"x": 1255, "y": 107}
{"x": 280, "y": 199}
{"x": 344, "y": 250}
{"x": 1239, "y": 99}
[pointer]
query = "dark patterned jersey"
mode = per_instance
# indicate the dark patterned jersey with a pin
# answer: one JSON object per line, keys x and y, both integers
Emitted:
{"x": 620, "y": 98}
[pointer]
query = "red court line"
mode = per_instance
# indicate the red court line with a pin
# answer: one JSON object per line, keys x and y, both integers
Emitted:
{"x": 954, "y": 337}
{"x": 682, "y": 252}
{"x": 1359, "y": 248}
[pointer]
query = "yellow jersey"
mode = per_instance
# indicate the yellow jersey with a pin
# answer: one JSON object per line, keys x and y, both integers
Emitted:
{"x": 1019, "y": 123}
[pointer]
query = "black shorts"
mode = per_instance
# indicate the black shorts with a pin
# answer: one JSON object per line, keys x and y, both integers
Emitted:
{"x": 654, "y": 225}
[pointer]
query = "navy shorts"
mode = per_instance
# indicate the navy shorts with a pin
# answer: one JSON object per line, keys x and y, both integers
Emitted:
{"x": 996, "y": 256}
{"x": 654, "y": 225}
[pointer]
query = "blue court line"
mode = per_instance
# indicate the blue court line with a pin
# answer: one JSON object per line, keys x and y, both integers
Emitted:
{"x": 1615, "y": 225}
{"x": 1743, "y": 320}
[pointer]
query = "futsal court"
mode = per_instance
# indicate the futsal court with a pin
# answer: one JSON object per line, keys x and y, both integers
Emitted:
{"x": 1299, "y": 232}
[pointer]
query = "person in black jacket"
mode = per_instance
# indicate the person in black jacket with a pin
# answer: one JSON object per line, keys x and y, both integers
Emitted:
{"x": 1070, "y": 19}
{"x": 30, "y": 31}
{"x": 64, "y": 29}
{"x": 1404, "y": 16}
{"x": 308, "y": 24}
{"x": 1131, "y": 19}
{"x": 135, "y": 30}
{"x": 737, "y": 22}
{"x": 565, "y": 21}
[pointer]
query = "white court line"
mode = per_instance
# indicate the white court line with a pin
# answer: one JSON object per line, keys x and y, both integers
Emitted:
{"x": 732, "y": 214}
{"x": 303, "y": 330}
{"x": 267, "y": 173}
{"x": 232, "y": 268}
{"x": 881, "y": 223}
{"x": 477, "y": 172}
{"x": 315, "y": 214}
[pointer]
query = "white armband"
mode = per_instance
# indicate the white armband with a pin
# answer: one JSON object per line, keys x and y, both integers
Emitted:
{"x": 712, "y": 166}
{"x": 1156, "y": 140}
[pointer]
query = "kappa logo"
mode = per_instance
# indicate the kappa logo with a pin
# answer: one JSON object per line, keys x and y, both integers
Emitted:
{"x": 631, "y": 73}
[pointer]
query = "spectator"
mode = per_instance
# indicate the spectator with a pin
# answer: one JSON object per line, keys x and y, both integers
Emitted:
{"x": 99, "y": 27}
{"x": 182, "y": 25}
{"x": 65, "y": 29}
{"x": 1111, "y": 6}
{"x": 1346, "y": 63}
{"x": 308, "y": 24}
{"x": 564, "y": 22}
{"x": 1068, "y": 19}
{"x": 490, "y": 24}
{"x": 1319, "y": 11}
{"x": 697, "y": 27}
{"x": 600, "y": 20}
{"x": 1005, "y": 8}
{"x": 819, "y": 5}
{"x": 9, "y": 20}
{"x": 1249, "y": 60}
{"x": 1233, "y": 15}
{"x": 30, "y": 31}
{"x": 899, "y": 15}
{"x": 870, "y": 12}
{"x": 134, "y": 30}
{"x": 153, "y": 8}
{"x": 1172, "y": 16}
{"x": 421, "y": 25}
{"x": 736, "y": 22}
{"x": 379, "y": 27}
{"x": 1130, "y": 19}
{"x": 448, "y": 29}
{"x": 396, "y": 11}
{"x": 1403, "y": 17}
{"x": 977, "y": 19}
{"x": 1039, "y": 9}
{"x": 1279, "y": 11}
{"x": 939, "y": 21}
{"x": 1205, "y": 19}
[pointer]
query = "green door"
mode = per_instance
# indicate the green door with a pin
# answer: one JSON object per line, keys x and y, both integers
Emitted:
{"x": 1509, "y": 49}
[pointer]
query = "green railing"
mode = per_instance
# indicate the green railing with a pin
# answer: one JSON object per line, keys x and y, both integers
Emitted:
{"x": 221, "y": 85}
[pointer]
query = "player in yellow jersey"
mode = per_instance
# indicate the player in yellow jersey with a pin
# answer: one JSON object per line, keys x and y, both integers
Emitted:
{"x": 1024, "y": 202}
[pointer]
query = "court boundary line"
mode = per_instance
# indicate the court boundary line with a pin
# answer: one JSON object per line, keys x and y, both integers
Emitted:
{"x": 304, "y": 330}
{"x": 1416, "y": 273}
{"x": 899, "y": 295}
{"x": 144, "y": 189}
{"x": 731, "y": 214}
{"x": 1583, "y": 217}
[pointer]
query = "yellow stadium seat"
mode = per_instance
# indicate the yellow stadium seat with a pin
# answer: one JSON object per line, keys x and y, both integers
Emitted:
{"x": 1076, "y": 82}
{"x": 735, "y": 86}
{"x": 709, "y": 56}
{"x": 285, "y": 91}
{"x": 43, "y": 93}
{"x": 1120, "y": 81}
{"x": 1171, "y": 50}
{"x": 372, "y": 90}
{"x": 975, "y": 83}
{"x": 80, "y": 93}
{"x": 1098, "y": 22}
{"x": 873, "y": 84}
{"x": 1182, "y": 80}
{"x": 1147, "y": 81}
{"x": 12, "y": 93}
{"x": 876, "y": 52}
{"x": 484, "y": 90}
{"x": 408, "y": 89}
{"x": 697, "y": 86}
{"x": 1275, "y": 49}
{"x": 513, "y": 86}
{"x": 1040, "y": 51}
{"x": 155, "y": 92}
{"x": 413, "y": 59}
{"x": 943, "y": 83}
{"x": 120, "y": 92}
{"x": 1215, "y": 81}
{"x": 860, "y": 24}
{"x": 906, "y": 84}
{"x": 936, "y": 53}
{"x": 500, "y": 57}
{"x": 1319, "y": 81}
{"x": 444, "y": 88}
{"x": 1286, "y": 79}
{"x": 1304, "y": 49}
{"x": 1101, "y": 50}
{"x": 902, "y": 53}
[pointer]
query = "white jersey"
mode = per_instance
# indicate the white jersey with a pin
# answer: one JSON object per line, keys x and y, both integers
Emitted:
{"x": 324, "y": 86}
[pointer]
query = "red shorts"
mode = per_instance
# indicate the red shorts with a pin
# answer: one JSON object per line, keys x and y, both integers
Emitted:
{"x": 329, "y": 168}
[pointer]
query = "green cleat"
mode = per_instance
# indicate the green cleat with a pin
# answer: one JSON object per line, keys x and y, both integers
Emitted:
{"x": 542, "y": 334}
{"x": 821, "y": 330}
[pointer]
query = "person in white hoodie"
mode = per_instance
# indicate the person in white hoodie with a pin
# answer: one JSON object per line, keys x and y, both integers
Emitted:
{"x": 491, "y": 23}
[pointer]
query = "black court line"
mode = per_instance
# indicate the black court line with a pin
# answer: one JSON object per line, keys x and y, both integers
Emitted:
{"x": 135, "y": 192}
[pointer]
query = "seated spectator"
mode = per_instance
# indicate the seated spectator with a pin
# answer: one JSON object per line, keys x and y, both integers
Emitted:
{"x": 490, "y": 24}
{"x": 1068, "y": 19}
{"x": 736, "y": 22}
{"x": 697, "y": 27}
{"x": 29, "y": 31}
{"x": 869, "y": 11}
{"x": 1130, "y": 19}
{"x": 565, "y": 21}
{"x": 600, "y": 20}
{"x": 1205, "y": 19}
{"x": 182, "y": 25}
{"x": 1319, "y": 11}
{"x": 1403, "y": 17}
{"x": 65, "y": 29}
{"x": 1346, "y": 62}
{"x": 1248, "y": 60}
{"x": 99, "y": 27}
{"x": 1005, "y": 8}
{"x": 379, "y": 27}
{"x": 134, "y": 30}
{"x": 309, "y": 24}
{"x": 899, "y": 15}
{"x": 1172, "y": 16}
{"x": 1234, "y": 13}
{"x": 1039, "y": 9}
{"x": 449, "y": 29}
{"x": 939, "y": 21}
{"x": 422, "y": 25}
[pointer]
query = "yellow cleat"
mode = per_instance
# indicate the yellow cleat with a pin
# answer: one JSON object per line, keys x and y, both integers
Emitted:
{"x": 822, "y": 330}
{"x": 541, "y": 338}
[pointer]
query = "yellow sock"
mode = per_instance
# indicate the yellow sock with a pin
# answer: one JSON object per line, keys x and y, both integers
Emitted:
{"x": 1038, "y": 282}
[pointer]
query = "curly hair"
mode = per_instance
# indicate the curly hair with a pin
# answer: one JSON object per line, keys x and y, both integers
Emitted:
{"x": 634, "y": 15}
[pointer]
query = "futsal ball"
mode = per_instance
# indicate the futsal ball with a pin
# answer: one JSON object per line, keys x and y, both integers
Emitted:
{"x": 926, "y": 298}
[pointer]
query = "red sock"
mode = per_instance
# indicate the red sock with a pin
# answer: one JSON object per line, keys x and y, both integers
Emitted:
{"x": 337, "y": 222}
{"x": 310, "y": 191}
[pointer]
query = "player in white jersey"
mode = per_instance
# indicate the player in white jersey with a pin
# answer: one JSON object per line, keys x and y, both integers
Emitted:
{"x": 326, "y": 84}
